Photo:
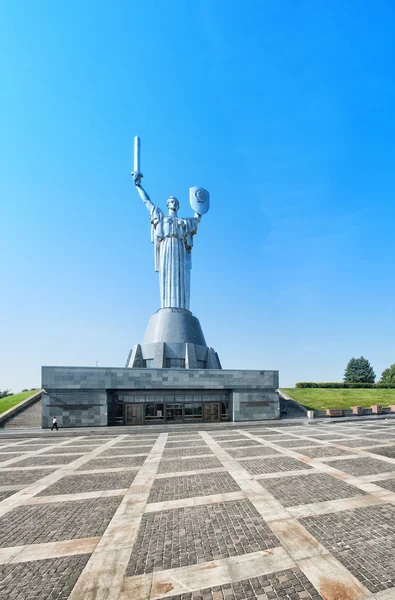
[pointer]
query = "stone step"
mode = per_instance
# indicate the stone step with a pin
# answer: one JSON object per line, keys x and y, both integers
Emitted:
{"x": 27, "y": 418}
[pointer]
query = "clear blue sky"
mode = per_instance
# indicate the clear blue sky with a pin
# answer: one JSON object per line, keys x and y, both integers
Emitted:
{"x": 284, "y": 111}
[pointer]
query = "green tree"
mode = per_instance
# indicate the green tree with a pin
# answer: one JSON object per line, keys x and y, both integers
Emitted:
{"x": 359, "y": 370}
{"x": 5, "y": 393}
{"x": 388, "y": 376}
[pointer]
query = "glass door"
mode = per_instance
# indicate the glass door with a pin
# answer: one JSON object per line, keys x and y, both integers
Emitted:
{"x": 134, "y": 414}
{"x": 211, "y": 411}
{"x": 174, "y": 412}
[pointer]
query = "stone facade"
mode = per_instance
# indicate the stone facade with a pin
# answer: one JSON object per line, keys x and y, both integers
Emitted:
{"x": 79, "y": 396}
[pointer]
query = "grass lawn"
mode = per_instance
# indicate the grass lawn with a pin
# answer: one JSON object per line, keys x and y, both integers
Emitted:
{"x": 321, "y": 398}
{"x": 10, "y": 401}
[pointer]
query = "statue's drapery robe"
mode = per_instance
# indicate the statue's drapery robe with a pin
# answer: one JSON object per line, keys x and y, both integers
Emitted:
{"x": 173, "y": 240}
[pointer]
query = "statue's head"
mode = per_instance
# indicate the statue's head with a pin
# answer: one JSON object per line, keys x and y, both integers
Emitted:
{"x": 172, "y": 203}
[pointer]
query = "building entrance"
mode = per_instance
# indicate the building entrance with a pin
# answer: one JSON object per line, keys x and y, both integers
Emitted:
{"x": 132, "y": 408}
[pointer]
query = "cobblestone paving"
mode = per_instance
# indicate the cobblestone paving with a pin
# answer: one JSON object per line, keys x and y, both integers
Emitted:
{"x": 188, "y": 464}
{"x": 74, "y": 484}
{"x": 186, "y": 536}
{"x": 21, "y": 477}
{"x": 4, "y": 495}
{"x": 185, "y": 444}
{"x": 296, "y": 443}
{"x": 15, "y": 448}
{"x": 258, "y": 450}
{"x": 323, "y": 451}
{"x": 291, "y": 584}
{"x": 174, "y": 453}
{"x": 388, "y": 484}
{"x": 388, "y": 451}
{"x": 120, "y": 451}
{"x": 356, "y": 443}
{"x": 362, "y": 466}
{"x": 326, "y": 437}
{"x": 196, "y": 524}
{"x": 41, "y": 579}
{"x": 40, "y": 461}
{"x": 259, "y": 466}
{"x": 113, "y": 463}
{"x": 238, "y": 443}
{"x": 9, "y": 456}
{"x": 68, "y": 450}
{"x": 34, "y": 524}
{"x": 362, "y": 540}
{"x": 305, "y": 489}
{"x": 190, "y": 486}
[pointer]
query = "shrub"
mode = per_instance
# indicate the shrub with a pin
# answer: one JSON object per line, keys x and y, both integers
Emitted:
{"x": 342, "y": 385}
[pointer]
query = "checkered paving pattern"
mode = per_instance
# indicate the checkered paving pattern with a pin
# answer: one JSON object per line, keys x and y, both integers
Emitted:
{"x": 185, "y": 536}
{"x": 234, "y": 526}
{"x": 362, "y": 540}
{"x": 290, "y": 584}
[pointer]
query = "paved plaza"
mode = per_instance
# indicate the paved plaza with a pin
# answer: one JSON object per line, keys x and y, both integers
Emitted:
{"x": 230, "y": 513}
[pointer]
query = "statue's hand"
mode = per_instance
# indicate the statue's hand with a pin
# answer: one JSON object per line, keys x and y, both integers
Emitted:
{"x": 137, "y": 178}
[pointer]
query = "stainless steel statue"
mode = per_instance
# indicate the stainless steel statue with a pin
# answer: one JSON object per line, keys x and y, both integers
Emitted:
{"x": 172, "y": 237}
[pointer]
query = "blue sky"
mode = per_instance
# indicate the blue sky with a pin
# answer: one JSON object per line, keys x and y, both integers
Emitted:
{"x": 284, "y": 111}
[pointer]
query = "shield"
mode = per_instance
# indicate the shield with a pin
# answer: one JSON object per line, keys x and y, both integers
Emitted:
{"x": 199, "y": 199}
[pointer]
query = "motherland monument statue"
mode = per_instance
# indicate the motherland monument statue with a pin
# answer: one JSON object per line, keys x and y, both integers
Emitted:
{"x": 172, "y": 237}
{"x": 173, "y": 324}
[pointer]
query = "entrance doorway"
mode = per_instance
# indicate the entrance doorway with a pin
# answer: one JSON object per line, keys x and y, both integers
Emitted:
{"x": 134, "y": 414}
{"x": 211, "y": 411}
{"x": 174, "y": 412}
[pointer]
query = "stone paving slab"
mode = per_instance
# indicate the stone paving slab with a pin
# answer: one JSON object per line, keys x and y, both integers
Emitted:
{"x": 33, "y": 524}
{"x": 74, "y": 484}
{"x": 41, "y": 579}
{"x": 190, "y": 486}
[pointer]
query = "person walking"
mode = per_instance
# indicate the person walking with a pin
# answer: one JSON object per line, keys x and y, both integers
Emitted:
{"x": 54, "y": 424}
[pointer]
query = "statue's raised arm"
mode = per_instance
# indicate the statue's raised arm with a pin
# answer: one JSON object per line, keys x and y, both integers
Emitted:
{"x": 141, "y": 191}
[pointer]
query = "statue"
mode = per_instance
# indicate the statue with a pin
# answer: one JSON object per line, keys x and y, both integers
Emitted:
{"x": 172, "y": 237}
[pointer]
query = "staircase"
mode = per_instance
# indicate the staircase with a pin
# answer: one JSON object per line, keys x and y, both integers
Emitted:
{"x": 28, "y": 418}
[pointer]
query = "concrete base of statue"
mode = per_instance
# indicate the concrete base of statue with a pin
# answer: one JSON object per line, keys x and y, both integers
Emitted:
{"x": 174, "y": 338}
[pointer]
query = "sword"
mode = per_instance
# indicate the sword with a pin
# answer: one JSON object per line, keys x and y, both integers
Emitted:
{"x": 136, "y": 167}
